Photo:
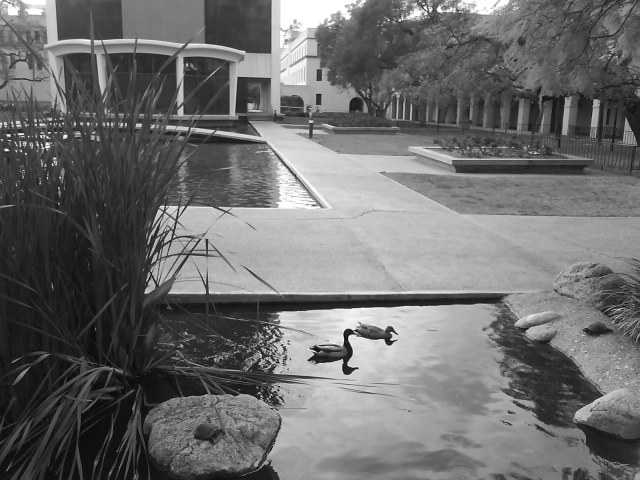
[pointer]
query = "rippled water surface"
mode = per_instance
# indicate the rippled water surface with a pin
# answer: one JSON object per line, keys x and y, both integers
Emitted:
{"x": 461, "y": 394}
{"x": 239, "y": 175}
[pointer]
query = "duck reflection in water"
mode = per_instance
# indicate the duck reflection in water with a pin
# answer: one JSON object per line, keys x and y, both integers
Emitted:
{"x": 332, "y": 352}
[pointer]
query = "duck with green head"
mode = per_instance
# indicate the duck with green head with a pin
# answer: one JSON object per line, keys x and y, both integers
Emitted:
{"x": 333, "y": 350}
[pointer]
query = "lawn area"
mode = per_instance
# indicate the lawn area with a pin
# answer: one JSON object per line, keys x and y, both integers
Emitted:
{"x": 594, "y": 194}
{"x": 550, "y": 195}
{"x": 372, "y": 144}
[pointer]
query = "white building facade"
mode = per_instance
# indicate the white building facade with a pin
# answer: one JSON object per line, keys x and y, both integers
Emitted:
{"x": 303, "y": 78}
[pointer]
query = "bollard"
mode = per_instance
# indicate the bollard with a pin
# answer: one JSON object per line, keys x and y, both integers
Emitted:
{"x": 310, "y": 124}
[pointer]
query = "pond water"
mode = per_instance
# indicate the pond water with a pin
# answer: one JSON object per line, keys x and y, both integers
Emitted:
{"x": 461, "y": 394}
{"x": 240, "y": 175}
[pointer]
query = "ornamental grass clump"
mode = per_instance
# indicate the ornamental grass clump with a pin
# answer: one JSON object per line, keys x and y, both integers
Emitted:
{"x": 626, "y": 315}
{"x": 88, "y": 249}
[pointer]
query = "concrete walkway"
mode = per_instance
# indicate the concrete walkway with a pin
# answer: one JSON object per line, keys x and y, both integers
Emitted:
{"x": 379, "y": 239}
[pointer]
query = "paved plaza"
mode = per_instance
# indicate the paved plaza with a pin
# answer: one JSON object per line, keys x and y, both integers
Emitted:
{"x": 379, "y": 239}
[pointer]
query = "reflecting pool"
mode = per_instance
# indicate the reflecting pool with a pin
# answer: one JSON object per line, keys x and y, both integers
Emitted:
{"x": 461, "y": 394}
{"x": 240, "y": 175}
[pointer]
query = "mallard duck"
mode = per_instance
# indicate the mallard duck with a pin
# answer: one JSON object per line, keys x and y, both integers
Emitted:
{"x": 374, "y": 333}
{"x": 333, "y": 350}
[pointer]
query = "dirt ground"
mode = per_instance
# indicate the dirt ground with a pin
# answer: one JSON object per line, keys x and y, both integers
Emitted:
{"x": 609, "y": 361}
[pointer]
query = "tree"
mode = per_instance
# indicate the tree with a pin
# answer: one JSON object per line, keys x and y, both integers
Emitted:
{"x": 588, "y": 47}
{"x": 451, "y": 59}
{"x": 291, "y": 31}
{"x": 359, "y": 50}
{"x": 22, "y": 41}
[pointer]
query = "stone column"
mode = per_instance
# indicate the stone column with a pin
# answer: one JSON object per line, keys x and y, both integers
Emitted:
{"x": 505, "y": 112}
{"x": 524, "y": 111}
{"x": 473, "y": 110}
{"x": 570, "y": 114}
{"x": 489, "y": 112}
{"x": 460, "y": 113}
{"x": 180, "y": 85}
{"x": 547, "y": 112}
{"x": 596, "y": 110}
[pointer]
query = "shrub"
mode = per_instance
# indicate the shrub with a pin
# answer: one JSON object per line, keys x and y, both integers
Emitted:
{"x": 626, "y": 315}
{"x": 358, "y": 120}
{"x": 478, "y": 146}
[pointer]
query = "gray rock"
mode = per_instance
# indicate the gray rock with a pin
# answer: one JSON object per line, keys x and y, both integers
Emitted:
{"x": 537, "y": 319}
{"x": 617, "y": 414}
{"x": 591, "y": 283}
{"x": 243, "y": 429}
{"x": 541, "y": 333}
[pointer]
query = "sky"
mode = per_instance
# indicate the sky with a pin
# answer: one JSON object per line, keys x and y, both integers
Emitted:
{"x": 312, "y": 12}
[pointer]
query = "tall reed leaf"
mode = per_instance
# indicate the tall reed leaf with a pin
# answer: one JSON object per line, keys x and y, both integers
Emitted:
{"x": 88, "y": 249}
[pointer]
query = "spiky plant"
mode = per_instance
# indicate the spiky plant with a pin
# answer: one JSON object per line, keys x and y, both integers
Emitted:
{"x": 626, "y": 315}
{"x": 88, "y": 248}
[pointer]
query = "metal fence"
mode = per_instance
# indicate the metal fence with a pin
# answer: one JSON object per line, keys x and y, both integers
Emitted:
{"x": 613, "y": 150}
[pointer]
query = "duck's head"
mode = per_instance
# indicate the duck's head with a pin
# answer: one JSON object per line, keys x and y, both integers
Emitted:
{"x": 390, "y": 329}
{"x": 348, "y": 332}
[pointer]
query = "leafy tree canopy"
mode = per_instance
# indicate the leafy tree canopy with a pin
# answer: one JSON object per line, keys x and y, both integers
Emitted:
{"x": 589, "y": 47}
{"x": 20, "y": 45}
{"x": 358, "y": 50}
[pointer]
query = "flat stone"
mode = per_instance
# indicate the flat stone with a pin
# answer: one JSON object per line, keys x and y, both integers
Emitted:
{"x": 243, "y": 430}
{"x": 541, "y": 333}
{"x": 617, "y": 414}
{"x": 592, "y": 283}
{"x": 537, "y": 319}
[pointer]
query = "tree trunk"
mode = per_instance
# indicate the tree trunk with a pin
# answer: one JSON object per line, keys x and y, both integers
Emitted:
{"x": 632, "y": 112}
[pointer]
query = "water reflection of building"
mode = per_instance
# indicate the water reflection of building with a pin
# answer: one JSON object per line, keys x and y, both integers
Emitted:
{"x": 231, "y": 41}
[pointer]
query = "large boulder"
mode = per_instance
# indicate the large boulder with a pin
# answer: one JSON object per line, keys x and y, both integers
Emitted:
{"x": 541, "y": 333}
{"x": 591, "y": 283}
{"x": 537, "y": 319}
{"x": 211, "y": 436}
{"x": 617, "y": 414}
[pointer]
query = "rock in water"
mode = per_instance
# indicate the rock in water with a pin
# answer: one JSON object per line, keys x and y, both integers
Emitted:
{"x": 541, "y": 333}
{"x": 617, "y": 413}
{"x": 211, "y": 436}
{"x": 537, "y": 319}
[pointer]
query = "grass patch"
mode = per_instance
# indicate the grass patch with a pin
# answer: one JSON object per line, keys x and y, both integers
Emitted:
{"x": 562, "y": 195}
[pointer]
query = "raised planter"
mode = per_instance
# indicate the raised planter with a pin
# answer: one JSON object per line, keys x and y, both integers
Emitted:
{"x": 435, "y": 156}
{"x": 381, "y": 130}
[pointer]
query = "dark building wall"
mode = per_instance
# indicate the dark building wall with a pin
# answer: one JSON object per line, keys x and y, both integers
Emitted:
{"x": 73, "y": 17}
{"x": 241, "y": 24}
{"x": 245, "y": 24}
{"x": 169, "y": 20}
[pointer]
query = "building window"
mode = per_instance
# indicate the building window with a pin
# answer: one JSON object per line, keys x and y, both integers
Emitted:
{"x": 319, "y": 75}
{"x": 73, "y": 19}
{"x": 245, "y": 25}
{"x": 318, "y": 99}
{"x": 12, "y": 61}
